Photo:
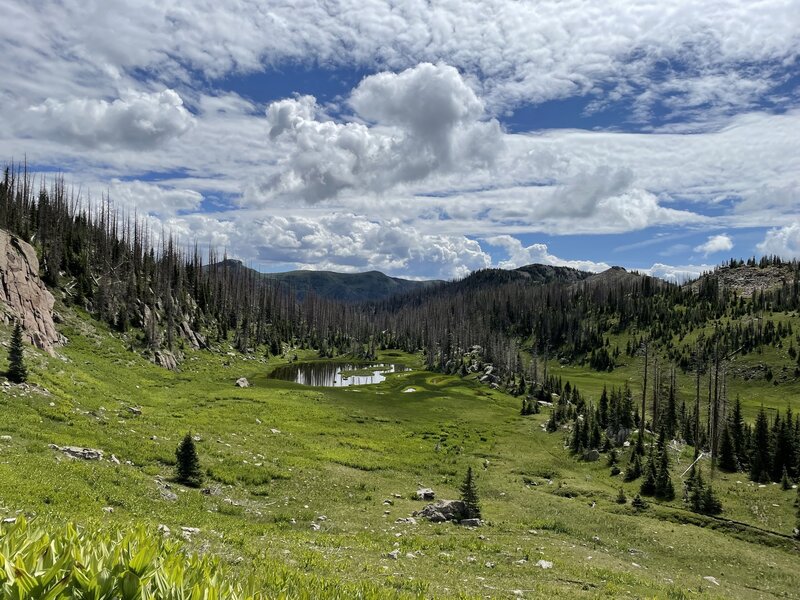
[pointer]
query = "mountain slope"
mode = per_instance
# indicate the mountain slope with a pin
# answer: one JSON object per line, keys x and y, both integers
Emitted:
{"x": 347, "y": 287}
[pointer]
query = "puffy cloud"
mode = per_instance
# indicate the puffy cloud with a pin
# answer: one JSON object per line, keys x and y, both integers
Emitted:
{"x": 677, "y": 274}
{"x": 138, "y": 120}
{"x": 424, "y": 120}
{"x": 523, "y": 51}
{"x": 152, "y": 199}
{"x": 714, "y": 244}
{"x": 519, "y": 255}
{"x": 782, "y": 241}
{"x": 339, "y": 242}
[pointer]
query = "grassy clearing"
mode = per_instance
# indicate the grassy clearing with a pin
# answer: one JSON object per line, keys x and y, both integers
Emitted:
{"x": 279, "y": 457}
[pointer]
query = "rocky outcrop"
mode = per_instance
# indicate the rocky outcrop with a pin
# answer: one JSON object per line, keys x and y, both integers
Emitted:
{"x": 79, "y": 452}
{"x": 443, "y": 510}
{"x": 166, "y": 359}
{"x": 23, "y": 296}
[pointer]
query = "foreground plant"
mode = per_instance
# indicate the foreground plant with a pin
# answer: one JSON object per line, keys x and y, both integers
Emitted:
{"x": 76, "y": 564}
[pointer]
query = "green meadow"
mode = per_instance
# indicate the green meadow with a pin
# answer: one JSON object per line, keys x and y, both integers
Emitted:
{"x": 304, "y": 486}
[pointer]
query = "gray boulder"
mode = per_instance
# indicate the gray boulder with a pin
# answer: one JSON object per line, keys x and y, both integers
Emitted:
{"x": 443, "y": 510}
{"x": 78, "y": 452}
{"x": 242, "y": 382}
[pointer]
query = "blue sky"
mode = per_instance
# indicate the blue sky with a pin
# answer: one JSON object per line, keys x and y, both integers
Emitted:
{"x": 423, "y": 140}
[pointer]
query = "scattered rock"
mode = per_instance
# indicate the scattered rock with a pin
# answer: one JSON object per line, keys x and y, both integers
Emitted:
{"x": 711, "y": 579}
{"x": 489, "y": 565}
{"x": 188, "y": 532}
{"x": 315, "y": 527}
{"x": 114, "y": 460}
{"x": 544, "y": 564}
{"x": 108, "y": 509}
{"x": 168, "y": 495}
{"x": 135, "y": 410}
{"x": 470, "y": 522}
{"x": 409, "y": 391}
{"x": 242, "y": 382}
{"x": 394, "y": 554}
{"x": 425, "y": 494}
{"x": 78, "y": 452}
{"x": 164, "y": 530}
{"x": 407, "y": 520}
{"x": 5, "y": 438}
{"x": 443, "y": 510}
{"x": 275, "y": 431}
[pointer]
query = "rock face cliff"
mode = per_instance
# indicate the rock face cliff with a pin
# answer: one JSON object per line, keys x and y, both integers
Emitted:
{"x": 23, "y": 296}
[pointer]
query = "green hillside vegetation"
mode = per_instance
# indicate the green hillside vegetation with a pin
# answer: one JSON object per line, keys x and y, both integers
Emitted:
{"x": 278, "y": 457}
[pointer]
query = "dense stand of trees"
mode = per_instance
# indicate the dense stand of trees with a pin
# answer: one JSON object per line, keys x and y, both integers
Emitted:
{"x": 112, "y": 264}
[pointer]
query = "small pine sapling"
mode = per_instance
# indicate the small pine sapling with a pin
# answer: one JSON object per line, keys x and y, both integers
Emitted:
{"x": 17, "y": 371}
{"x": 188, "y": 463}
{"x": 469, "y": 496}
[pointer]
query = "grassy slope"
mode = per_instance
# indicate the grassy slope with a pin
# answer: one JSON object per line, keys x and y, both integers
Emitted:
{"x": 340, "y": 453}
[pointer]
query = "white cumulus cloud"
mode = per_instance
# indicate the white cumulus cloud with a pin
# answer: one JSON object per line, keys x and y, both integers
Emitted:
{"x": 421, "y": 121}
{"x": 782, "y": 241}
{"x": 519, "y": 255}
{"x": 715, "y": 244}
{"x": 138, "y": 120}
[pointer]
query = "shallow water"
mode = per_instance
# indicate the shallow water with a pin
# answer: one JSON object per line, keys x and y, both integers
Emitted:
{"x": 335, "y": 374}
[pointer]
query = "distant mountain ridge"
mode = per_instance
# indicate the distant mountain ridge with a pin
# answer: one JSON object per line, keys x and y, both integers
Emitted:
{"x": 343, "y": 287}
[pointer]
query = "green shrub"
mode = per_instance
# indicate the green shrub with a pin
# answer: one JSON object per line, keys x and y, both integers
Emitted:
{"x": 74, "y": 563}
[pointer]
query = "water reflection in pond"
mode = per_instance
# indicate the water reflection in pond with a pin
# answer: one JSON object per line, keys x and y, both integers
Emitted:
{"x": 335, "y": 374}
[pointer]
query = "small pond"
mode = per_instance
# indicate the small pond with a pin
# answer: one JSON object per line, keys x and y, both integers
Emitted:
{"x": 335, "y": 374}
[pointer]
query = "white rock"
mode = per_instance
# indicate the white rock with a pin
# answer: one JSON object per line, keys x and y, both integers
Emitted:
{"x": 544, "y": 564}
{"x": 711, "y": 579}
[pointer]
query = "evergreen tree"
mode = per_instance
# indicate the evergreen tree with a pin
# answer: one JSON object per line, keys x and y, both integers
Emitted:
{"x": 760, "y": 449}
{"x": 648, "y": 487}
{"x": 603, "y": 409}
{"x": 576, "y": 444}
{"x": 664, "y": 488}
{"x": 727, "y": 454}
{"x": 701, "y": 497}
{"x": 17, "y": 372}
{"x": 711, "y": 504}
{"x": 696, "y": 491}
{"x": 595, "y": 436}
{"x": 621, "y": 498}
{"x": 469, "y": 496}
{"x": 786, "y": 484}
{"x": 638, "y": 503}
{"x": 737, "y": 432}
{"x": 634, "y": 470}
{"x": 188, "y": 463}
